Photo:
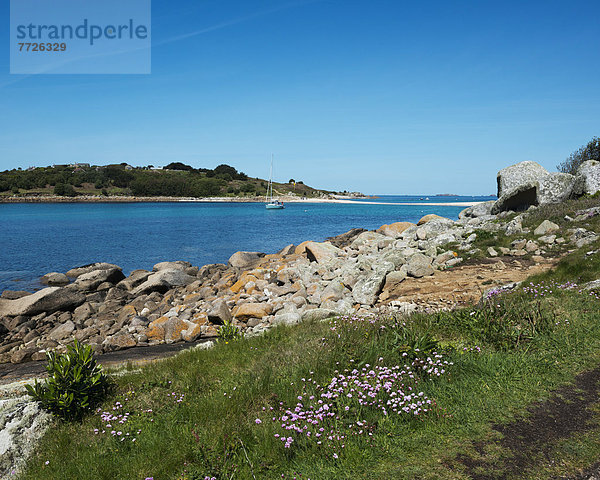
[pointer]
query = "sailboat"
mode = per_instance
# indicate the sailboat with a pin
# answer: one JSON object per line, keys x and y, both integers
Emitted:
{"x": 272, "y": 203}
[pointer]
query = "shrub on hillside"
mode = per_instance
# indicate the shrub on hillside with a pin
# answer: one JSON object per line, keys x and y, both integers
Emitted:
{"x": 64, "y": 190}
{"x": 591, "y": 151}
{"x": 75, "y": 383}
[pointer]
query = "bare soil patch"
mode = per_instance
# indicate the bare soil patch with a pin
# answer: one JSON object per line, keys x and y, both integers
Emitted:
{"x": 464, "y": 284}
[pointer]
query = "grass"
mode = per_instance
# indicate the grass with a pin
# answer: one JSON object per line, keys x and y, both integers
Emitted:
{"x": 209, "y": 413}
{"x": 204, "y": 404}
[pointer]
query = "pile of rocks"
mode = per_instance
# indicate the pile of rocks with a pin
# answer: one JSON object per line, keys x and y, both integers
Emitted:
{"x": 359, "y": 272}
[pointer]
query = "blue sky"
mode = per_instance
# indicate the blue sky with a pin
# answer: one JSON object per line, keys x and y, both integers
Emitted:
{"x": 387, "y": 97}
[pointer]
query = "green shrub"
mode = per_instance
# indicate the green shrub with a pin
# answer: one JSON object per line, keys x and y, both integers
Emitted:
{"x": 228, "y": 332}
{"x": 75, "y": 383}
{"x": 591, "y": 151}
{"x": 64, "y": 189}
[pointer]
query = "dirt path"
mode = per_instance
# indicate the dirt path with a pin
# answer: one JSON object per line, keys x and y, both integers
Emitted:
{"x": 528, "y": 440}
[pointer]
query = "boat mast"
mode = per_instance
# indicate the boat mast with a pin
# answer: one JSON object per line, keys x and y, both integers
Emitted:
{"x": 270, "y": 186}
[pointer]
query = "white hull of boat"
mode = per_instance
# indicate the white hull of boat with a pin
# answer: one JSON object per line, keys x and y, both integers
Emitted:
{"x": 274, "y": 206}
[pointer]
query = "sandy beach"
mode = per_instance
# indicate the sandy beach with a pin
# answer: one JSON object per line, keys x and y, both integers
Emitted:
{"x": 285, "y": 199}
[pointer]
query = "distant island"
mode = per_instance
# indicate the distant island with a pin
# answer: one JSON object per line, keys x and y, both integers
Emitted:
{"x": 85, "y": 182}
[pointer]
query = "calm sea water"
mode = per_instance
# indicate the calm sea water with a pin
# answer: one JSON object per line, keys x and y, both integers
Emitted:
{"x": 39, "y": 238}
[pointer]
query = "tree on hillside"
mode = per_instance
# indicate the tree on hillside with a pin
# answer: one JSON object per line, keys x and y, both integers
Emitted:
{"x": 226, "y": 170}
{"x": 64, "y": 190}
{"x": 119, "y": 176}
{"x": 591, "y": 151}
{"x": 178, "y": 166}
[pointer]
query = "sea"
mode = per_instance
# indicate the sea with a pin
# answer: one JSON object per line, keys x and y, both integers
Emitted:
{"x": 54, "y": 237}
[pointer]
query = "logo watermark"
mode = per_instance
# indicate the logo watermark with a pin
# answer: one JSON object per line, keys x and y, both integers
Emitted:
{"x": 80, "y": 36}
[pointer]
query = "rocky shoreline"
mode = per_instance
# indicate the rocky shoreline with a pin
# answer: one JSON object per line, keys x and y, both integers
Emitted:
{"x": 362, "y": 272}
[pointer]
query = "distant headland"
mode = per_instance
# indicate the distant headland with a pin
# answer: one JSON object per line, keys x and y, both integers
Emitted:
{"x": 82, "y": 182}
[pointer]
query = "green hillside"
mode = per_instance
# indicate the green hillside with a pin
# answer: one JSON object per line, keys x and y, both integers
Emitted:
{"x": 174, "y": 180}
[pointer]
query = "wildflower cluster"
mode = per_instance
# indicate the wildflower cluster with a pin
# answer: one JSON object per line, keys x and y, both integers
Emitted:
{"x": 542, "y": 289}
{"x": 494, "y": 292}
{"x": 327, "y": 414}
{"x": 475, "y": 349}
{"x": 121, "y": 424}
{"x": 115, "y": 423}
{"x": 177, "y": 397}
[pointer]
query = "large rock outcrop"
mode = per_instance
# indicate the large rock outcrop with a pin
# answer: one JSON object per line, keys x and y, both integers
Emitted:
{"x": 321, "y": 252}
{"x": 518, "y": 198}
{"x": 519, "y": 174}
{"x": 162, "y": 281}
{"x": 528, "y": 183}
{"x": 76, "y": 272}
{"x": 478, "y": 210}
{"x": 587, "y": 179}
{"x": 244, "y": 259}
{"x": 47, "y": 300}
{"x": 555, "y": 188}
{"x": 92, "y": 280}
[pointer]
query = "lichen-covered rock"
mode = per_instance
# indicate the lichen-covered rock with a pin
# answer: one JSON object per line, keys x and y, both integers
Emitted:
{"x": 517, "y": 198}
{"x": 333, "y": 292}
{"x": 162, "y": 281}
{"x": 321, "y": 252}
{"x": 219, "y": 312}
{"x": 252, "y": 310}
{"x": 394, "y": 230}
{"x": 176, "y": 265}
{"x": 478, "y": 210}
{"x": 545, "y": 228}
{"x": 555, "y": 188}
{"x": 433, "y": 228}
{"x": 317, "y": 314}
{"x": 22, "y": 424}
{"x": 392, "y": 283}
{"x": 119, "y": 342}
{"x": 76, "y": 272}
{"x": 587, "y": 179}
{"x": 515, "y": 176}
{"x": 62, "y": 331}
{"x": 135, "y": 279}
{"x": 244, "y": 259}
{"x": 47, "y": 300}
{"x": 367, "y": 289}
{"x": 171, "y": 329}
{"x": 54, "y": 279}
{"x": 92, "y": 280}
{"x": 514, "y": 227}
{"x": 287, "y": 318}
{"x": 192, "y": 332}
{"x": 429, "y": 217}
{"x": 367, "y": 239}
{"x": 419, "y": 266}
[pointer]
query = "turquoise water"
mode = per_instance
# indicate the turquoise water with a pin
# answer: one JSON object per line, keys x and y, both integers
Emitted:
{"x": 40, "y": 238}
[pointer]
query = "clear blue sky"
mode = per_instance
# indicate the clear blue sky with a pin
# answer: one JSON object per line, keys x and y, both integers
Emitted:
{"x": 373, "y": 95}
